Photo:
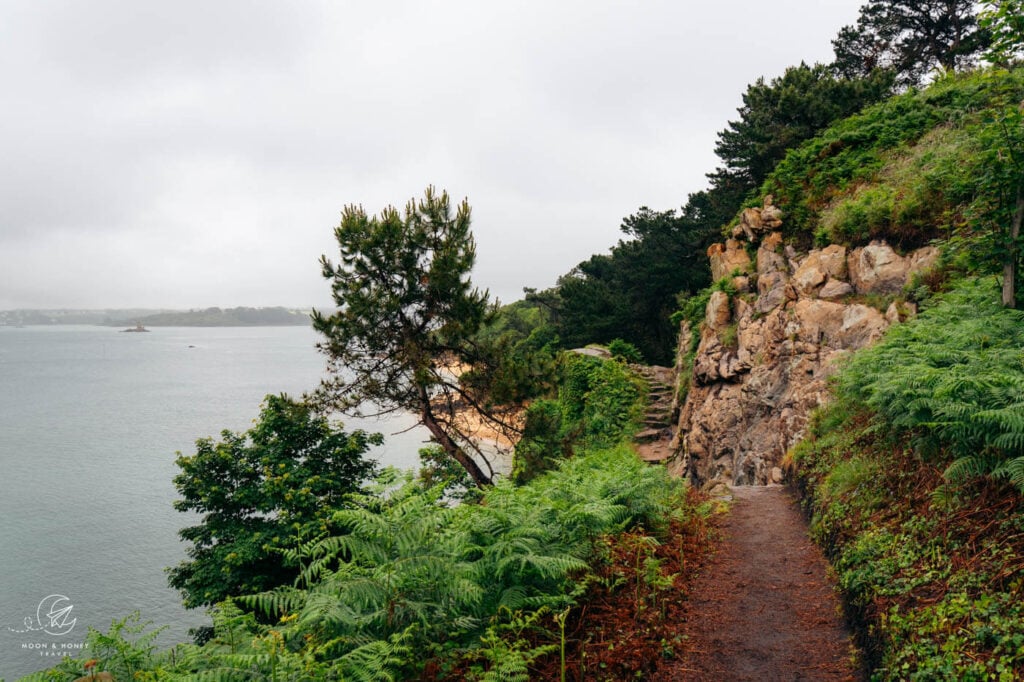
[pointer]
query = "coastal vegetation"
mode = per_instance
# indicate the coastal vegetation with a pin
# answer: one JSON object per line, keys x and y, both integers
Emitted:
{"x": 406, "y": 334}
{"x": 914, "y": 479}
{"x": 316, "y": 566}
{"x": 392, "y": 581}
{"x": 260, "y": 494}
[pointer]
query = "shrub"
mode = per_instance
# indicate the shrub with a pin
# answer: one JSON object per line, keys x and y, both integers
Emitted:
{"x": 908, "y": 169}
{"x": 624, "y": 350}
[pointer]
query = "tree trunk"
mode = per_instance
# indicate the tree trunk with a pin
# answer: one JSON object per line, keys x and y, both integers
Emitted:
{"x": 450, "y": 446}
{"x": 1010, "y": 266}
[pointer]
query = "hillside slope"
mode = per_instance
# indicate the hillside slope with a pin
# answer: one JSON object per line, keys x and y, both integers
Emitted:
{"x": 855, "y": 229}
{"x": 871, "y": 281}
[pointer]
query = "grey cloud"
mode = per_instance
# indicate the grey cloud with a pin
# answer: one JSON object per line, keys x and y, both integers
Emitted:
{"x": 198, "y": 153}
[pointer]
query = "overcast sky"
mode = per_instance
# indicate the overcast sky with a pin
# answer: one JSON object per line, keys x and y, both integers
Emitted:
{"x": 190, "y": 154}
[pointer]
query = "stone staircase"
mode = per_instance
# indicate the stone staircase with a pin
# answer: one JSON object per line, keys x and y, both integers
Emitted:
{"x": 653, "y": 442}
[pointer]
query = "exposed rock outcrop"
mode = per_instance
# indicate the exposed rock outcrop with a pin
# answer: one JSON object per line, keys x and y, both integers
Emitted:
{"x": 764, "y": 358}
{"x": 727, "y": 258}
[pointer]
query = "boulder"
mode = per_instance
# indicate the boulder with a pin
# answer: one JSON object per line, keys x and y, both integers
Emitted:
{"x": 772, "y": 291}
{"x": 862, "y": 326}
{"x": 923, "y": 259}
{"x": 772, "y": 274}
{"x": 810, "y": 276}
{"x": 815, "y": 321}
{"x": 877, "y": 268}
{"x": 769, "y": 256}
{"x": 717, "y": 314}
{"x": 820, "y": 267}
{"x": 728, "y": 258}
{"x": 771, "y": 215}
{"x": 756, "y": 221}
{"x": 594, "y": 352}
{"x": 835, "y": 288}
{"x": 900, "y": 312}
{"x": 750, "y": 225}
{"x": 752, "y": 218}
{"x": 833, "y": 261}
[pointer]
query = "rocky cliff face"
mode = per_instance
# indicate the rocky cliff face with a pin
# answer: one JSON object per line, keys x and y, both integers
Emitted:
{"x": 765, "y": 353}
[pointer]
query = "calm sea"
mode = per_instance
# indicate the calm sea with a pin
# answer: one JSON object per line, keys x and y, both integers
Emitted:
{"x": 90, "y": 420}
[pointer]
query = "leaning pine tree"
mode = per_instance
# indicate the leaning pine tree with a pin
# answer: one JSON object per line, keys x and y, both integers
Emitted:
{"x": 407, "y": 314}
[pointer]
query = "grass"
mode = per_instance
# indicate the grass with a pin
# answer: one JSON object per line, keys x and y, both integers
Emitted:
{"x": 910, "y": 169}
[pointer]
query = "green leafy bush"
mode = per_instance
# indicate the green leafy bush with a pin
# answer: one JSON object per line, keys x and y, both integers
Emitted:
{"x": 260, "y": 492}
{"x": 858, "y": 217}
{"x": 624, "y": 350}
{"x": 411, "y": 579}
{"x": 909, "y": 169}
{"x": 599, "y": 403}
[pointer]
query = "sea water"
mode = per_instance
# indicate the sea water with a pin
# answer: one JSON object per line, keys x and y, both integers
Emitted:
{"x": 90, "y": 421}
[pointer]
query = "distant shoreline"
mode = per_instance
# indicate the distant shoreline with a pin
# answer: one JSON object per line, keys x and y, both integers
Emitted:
{"x": 208, "y": 317}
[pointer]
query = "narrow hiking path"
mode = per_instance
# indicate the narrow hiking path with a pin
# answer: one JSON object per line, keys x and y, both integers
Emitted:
{"x": 762, "y": 607}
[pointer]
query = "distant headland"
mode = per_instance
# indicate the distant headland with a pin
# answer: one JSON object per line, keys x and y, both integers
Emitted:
{"x": 146, "y": 318}
{"x": 221, "y": 317}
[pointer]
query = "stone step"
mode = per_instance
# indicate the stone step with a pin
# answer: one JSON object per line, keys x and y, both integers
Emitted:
{"x": 651, "y": 435}
{"x": 655, "y": 452}
{"x": 655, "y": 456}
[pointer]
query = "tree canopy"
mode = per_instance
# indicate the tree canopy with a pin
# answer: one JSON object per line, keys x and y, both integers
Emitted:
{"x": 1004, "y": 20}
{"x": 910, "y": 38}
{"x": 261, "y": 492}
{"x": 407, "y": 319}
{"x": 631, "y": 292}
{"x": 778, "y": 115}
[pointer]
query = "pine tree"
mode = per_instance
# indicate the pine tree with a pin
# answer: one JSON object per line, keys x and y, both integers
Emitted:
{"x": 909, "y": 37}
{"x": 407, "y": 317}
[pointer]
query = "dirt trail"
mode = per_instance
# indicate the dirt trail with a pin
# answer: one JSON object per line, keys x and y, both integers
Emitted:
{"x": 762, "y": 608}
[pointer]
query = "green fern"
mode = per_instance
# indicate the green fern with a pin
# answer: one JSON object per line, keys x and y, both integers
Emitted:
{"x": 377, "y": 661}
{"x": 954, "y": 376}
{"x": 410, "y": 577}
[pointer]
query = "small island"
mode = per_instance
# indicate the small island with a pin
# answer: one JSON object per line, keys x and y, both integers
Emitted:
{"x": 137, "y": 328}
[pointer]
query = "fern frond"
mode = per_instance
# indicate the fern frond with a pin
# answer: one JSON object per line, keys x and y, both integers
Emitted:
{"x": 377, "y": 661}
{"x": 1013, "y": 471}
{"x": 277, "y": 602}
{"x": 966, "y": 468}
